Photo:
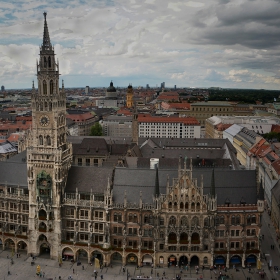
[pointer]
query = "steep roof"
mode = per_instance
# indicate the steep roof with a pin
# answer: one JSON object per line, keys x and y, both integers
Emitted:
{"x": 232, "y": 184}
{"x": 14, "y": 171}
{"x": 85, "y": 178}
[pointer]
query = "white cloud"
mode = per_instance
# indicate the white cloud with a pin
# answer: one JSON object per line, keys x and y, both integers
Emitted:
{"x": 197, "y": 43}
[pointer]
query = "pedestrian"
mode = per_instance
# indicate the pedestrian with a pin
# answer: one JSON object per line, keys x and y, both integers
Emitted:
{"x": 101, "y": 276}
{"x": 73, "y": 271}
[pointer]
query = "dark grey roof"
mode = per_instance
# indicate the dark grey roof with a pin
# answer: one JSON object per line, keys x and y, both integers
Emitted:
{"x": 86, "y": 178}
{"x": 108, "y": 139}
{"x": 91, "y": 146}
{"x": 229, "y": 184}
{"x": 207, "y": 152}
{"x": 14, "y": 171}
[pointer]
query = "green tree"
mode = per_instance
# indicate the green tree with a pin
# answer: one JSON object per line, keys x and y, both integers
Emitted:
{"x": 96, "y": 130}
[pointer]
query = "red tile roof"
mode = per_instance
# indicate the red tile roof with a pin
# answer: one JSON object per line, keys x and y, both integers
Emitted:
{"x": 275, "y": 128}
{"x": 80, "y": 117}
{"x": 167, "y": 119}
{"x": 222, "y": 126}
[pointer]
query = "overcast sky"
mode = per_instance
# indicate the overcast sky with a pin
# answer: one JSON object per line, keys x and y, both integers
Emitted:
{"x": 199, "y": 43}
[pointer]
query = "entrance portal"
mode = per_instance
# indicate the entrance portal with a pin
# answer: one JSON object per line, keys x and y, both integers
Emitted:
{"x": 116, "y": 258}
{"x": 45, "y": 250}
{"x": 172, "y": 260}
{"x": 183, "y": 261}
{"x": 194, "y": 261}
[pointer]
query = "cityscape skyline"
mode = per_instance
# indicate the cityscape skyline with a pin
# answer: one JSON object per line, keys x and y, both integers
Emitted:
{"x": 228, "y": 44}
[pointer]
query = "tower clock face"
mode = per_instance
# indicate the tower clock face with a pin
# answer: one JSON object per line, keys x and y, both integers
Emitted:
{"x": 44, "y": 120}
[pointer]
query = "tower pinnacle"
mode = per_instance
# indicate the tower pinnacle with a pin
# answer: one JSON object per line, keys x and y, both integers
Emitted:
{"x": 46, "y": 37}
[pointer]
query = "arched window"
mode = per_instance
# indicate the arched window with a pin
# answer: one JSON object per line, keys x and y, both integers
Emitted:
{"x": 181, "y": 206}
{"x": 220, "y": 220}
{"x": 161, "y": 234}
{"x": 170, "y": 205}
{"x": 48, "y": 140}
{"x": 206, "y": 222}
{"x": 161, "y": 221}
{"x": 192, "y": 206}
{"x": 41, "y": 140}
{"x": 172, "y": 221}
{"x": 194, "y": 222}
{"x": 251, "y": 219}
{"x": 238, "y": 220}
{"x": 44, "y": 87}
{"x": 50, "y": 106}
{"x": 45, "y": 62}
{"x": 117, "y": 217}
{"x": 184, "y": 221}
{"x": 198, "y": 206}
{"x": 146, "y": 219}
{"x": 49, "y": 60}
{"x": 135, "y": 220}
{"x": 51, "y": 86}
{"x": 175, "y": 206}
{"x": 187, "y": 206}
{"x": 46, "y": 106}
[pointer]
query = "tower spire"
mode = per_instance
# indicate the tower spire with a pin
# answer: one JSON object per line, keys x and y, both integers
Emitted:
{"x": 46, "y": 37}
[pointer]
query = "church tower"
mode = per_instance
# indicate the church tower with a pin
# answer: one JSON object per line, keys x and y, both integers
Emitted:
{"x": 129, "y": 97}
{"x": 49, "y": 155}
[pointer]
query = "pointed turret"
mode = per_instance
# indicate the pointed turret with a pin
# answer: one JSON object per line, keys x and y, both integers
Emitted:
{"x": 46, "y": 37}
{"x": 261, "y": 191}
{"x": 157, "y": 183}
{"x": 212, "y": 189}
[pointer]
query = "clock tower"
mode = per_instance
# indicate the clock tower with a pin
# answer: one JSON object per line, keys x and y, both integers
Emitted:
{"x": 49, "y": 155}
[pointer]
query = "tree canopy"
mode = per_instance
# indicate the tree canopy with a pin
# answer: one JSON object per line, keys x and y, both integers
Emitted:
{"x": 244, "y": 95}
{"x": 96, "y": 130}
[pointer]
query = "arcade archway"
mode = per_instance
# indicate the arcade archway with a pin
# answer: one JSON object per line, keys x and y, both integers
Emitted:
{"x": 21, "y": 247}
{"x": 67, "y": 254}
{"x": 9, "y": 244}
{"x": 235, "y": 260}
{"x": 82, "y": 255}
{"x": 251, "y": 260}
{"x": 183, "y": 261}
{"x": 116, "y": 258}
{"x": 131, "y": 259}
{"x": 172, "y": 260}
{"x": 45, "y": 250}
{"x": 97, "y": 258}
{"x": 220, "y": 260}
{"x": 147, "y": 259}
{"x": 194, "y": 261}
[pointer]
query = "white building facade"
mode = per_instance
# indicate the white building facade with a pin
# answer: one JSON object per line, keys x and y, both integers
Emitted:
{"x": 168, "y": 126}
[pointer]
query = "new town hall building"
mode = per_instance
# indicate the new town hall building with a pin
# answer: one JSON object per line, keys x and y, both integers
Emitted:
{"x": 72, "y": 200}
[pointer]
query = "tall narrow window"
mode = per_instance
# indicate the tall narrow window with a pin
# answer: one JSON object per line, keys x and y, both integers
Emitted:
{"x": 44, "y": 87}
{"x": 48, "y": 140}
{"x": 40, "y": 140}
{"x": 51, "y": 87}
{"x": 45, "y": 62}
{"x": 49, "y": 60}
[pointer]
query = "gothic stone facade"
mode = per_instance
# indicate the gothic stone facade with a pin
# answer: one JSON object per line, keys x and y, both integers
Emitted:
{"x": 182, "y": 224}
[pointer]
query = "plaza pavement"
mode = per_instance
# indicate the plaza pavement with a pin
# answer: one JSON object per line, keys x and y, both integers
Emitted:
{"x": 22, "y": 269}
